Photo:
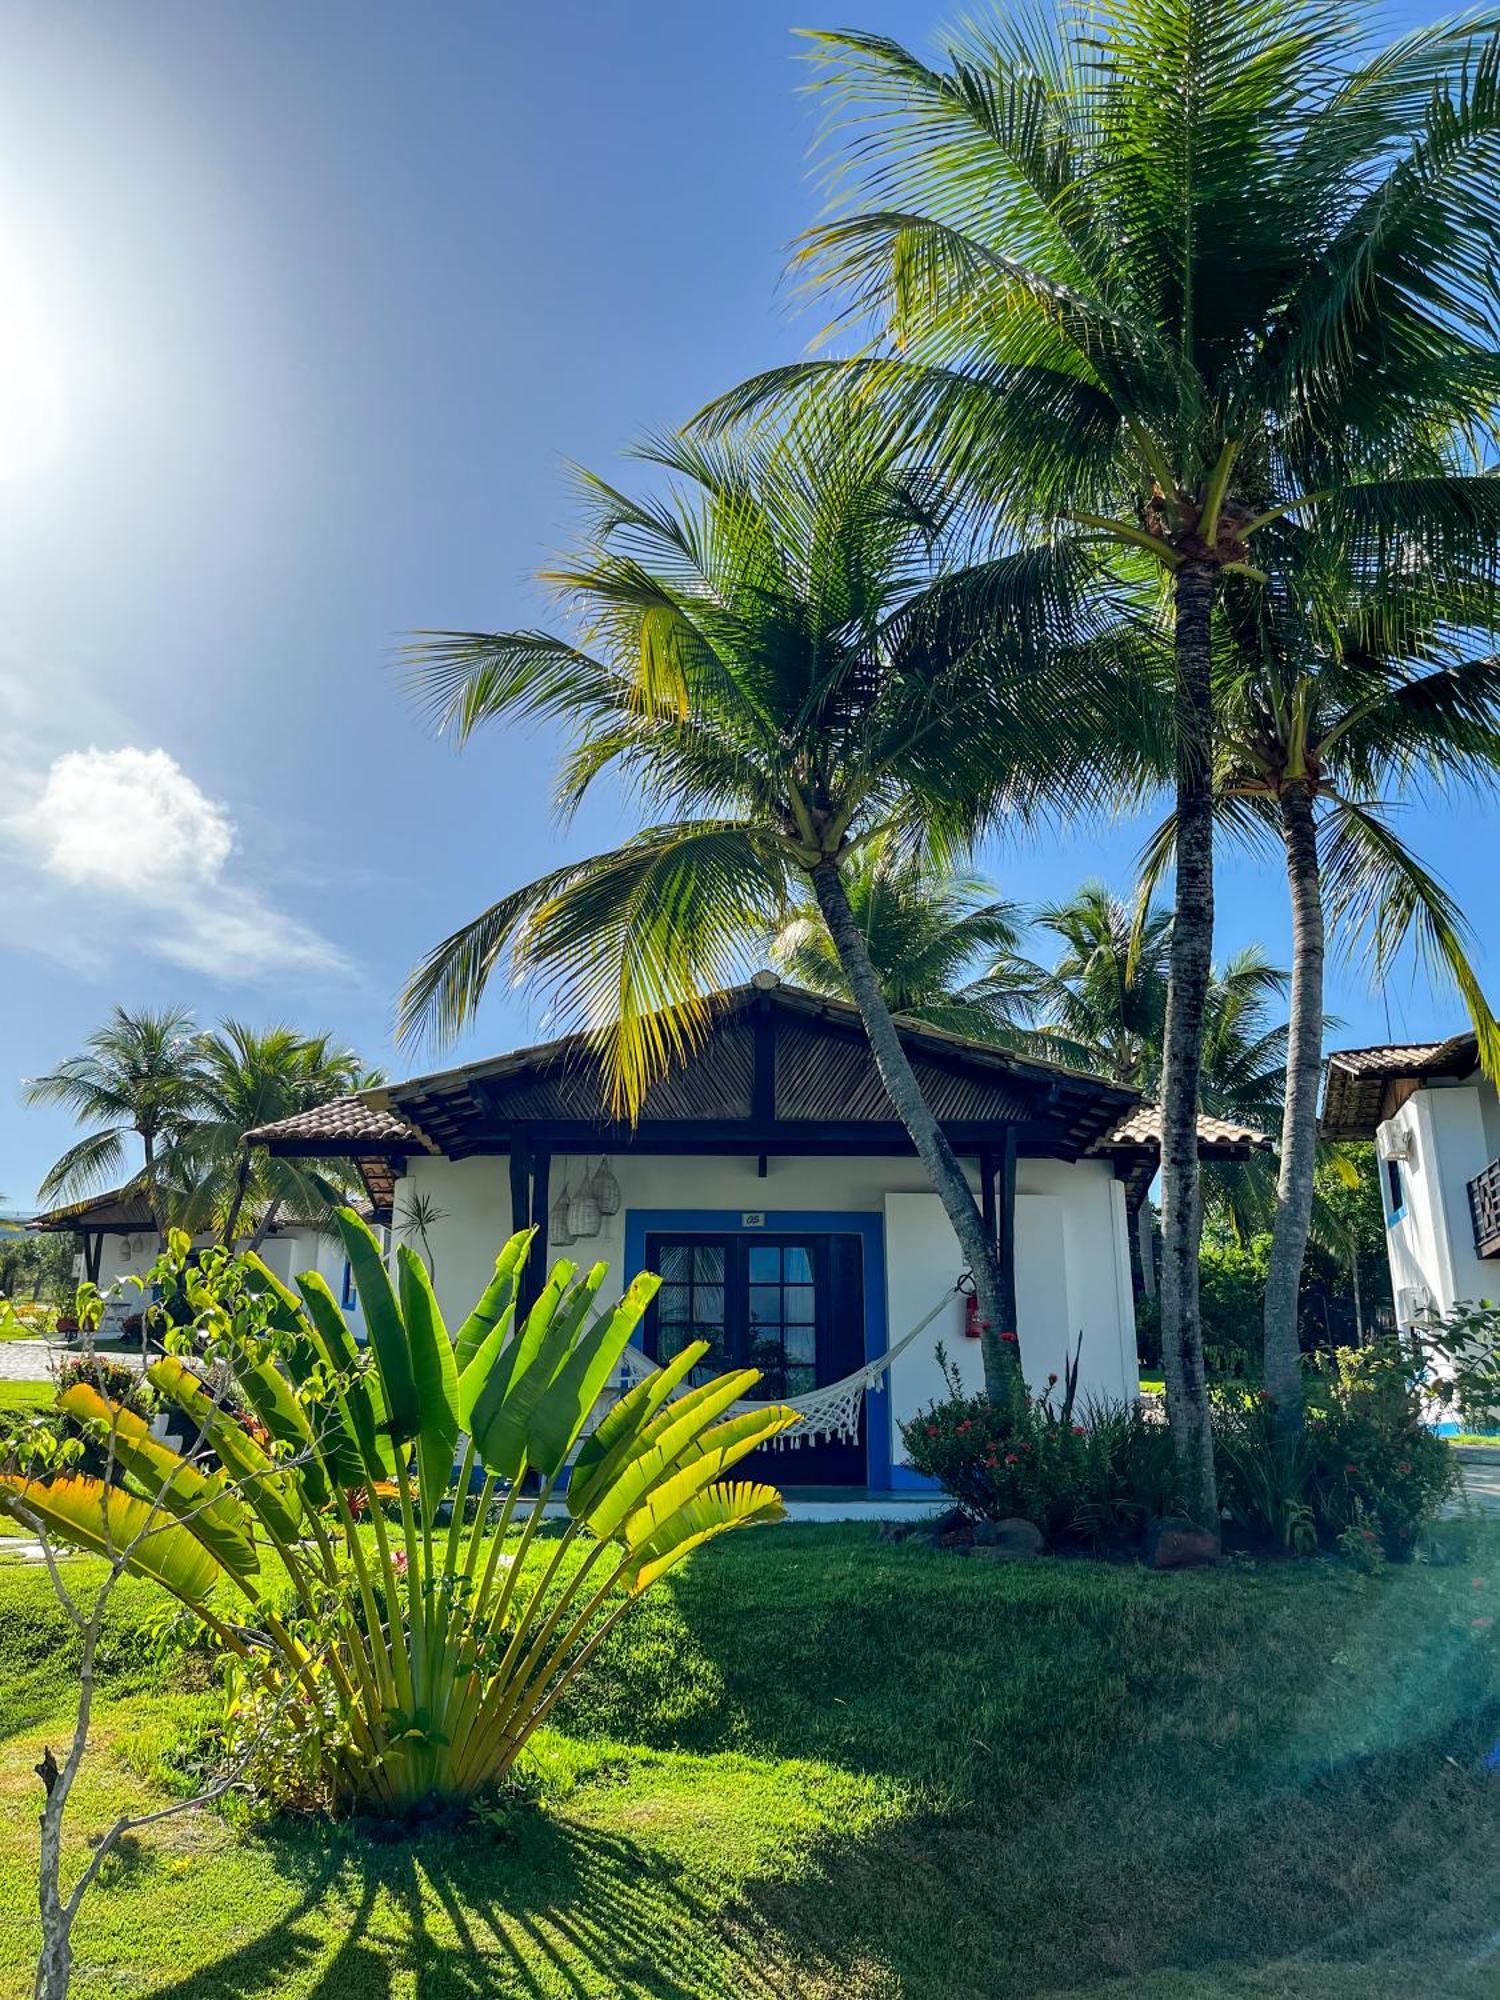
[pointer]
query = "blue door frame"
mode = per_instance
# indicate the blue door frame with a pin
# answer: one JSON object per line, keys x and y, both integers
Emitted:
{"x": 870, "y": 1229}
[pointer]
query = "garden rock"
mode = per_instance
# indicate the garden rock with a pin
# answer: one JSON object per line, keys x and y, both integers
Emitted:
{"x": 1012, "y": 1540}
{"x": 1179, "y": 1544}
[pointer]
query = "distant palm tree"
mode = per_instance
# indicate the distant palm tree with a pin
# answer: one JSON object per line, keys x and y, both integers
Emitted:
{"x": 944, "y": 950}
{"x": 247, "y": 1078}
{"x": 1198, "y": 281}
{"x": 139, "y": 1076}
{"x": 774, "y": 659}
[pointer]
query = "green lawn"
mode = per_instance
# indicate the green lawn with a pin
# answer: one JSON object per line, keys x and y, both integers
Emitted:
{"x": 25, "y": 1395}
{"x": 819, "y": 1766}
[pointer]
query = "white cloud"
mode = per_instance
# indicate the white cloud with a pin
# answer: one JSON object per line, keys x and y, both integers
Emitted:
{"x": 130, "y": 833}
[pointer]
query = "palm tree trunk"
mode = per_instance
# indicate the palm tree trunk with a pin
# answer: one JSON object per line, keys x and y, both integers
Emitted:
{"x": 1002, "y": 1361}
{"x": 241, "y": 1185}
{"x": 153, "y": 1200}
{"x": 1299, "y": 1117}
{"x": 263, "y": 1227}
{"x": 1182, "y": 1055}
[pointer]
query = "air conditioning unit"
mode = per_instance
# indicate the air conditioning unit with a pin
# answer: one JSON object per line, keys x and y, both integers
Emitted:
{"x": 1395, "y": 1142}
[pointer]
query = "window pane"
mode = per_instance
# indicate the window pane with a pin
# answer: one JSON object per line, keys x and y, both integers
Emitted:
{"x": 765, "y": 1305}
{"x": 799, "y": 1269}
{"x": 676, "y": 1262}
{"x": 799, "y": 1381}
{"x": 801, "y": 1344}
{"x": 673, "y": 1303}
{"x": 766, "y": 1356}
{"x": 765, "y": 1264}
{"x": 798, "y": 1310}
{"x": 708, "y": 1305}
{"x": 708, "y": 1263}
{"x": 671, "y": 1340}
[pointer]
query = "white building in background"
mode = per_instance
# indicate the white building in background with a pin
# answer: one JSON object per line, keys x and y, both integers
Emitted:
{"x": 117, "y": 1242}
{"x": 769, "y": 1184}
{"x": 1435, "y": 1121}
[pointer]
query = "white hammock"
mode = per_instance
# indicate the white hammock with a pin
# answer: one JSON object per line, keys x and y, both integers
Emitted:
{"x": 830, "y": 1412}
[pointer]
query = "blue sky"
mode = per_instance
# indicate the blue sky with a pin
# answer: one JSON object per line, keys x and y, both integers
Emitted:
{"x": 302, "y": 313}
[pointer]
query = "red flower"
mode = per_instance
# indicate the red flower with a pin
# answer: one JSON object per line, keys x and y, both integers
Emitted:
{"x": 1404, "y": 1467}
{"x": 992, "y": 1460}
{"x": 1050, "y": 1380}
{"x": 984, "y": 1326}
{"x": 1026, "y": 1447}
{"x": 1010, "y": 1337}
{"x": 932, "y": 1430}
{"x": 1351, "y": 1470}
{"x": 964, "y": 1428}
{"x": 1078, "y": 1431}
{"x": 1011, "y": 1459}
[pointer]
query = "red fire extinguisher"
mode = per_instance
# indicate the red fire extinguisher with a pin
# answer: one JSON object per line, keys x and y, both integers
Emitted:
{"x": 972, "y": 1324}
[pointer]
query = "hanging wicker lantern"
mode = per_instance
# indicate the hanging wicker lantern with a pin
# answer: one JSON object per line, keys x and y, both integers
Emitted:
{"x": 559, "y": 1227}
{"x": 583, "y": 1212}
{"x": 606, "y": 1190}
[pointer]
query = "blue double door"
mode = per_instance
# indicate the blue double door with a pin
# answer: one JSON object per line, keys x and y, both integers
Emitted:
{"x": 787, "y": 1303}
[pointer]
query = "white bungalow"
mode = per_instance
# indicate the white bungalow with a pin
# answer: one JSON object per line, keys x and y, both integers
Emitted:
{"x": 770, "y": 1186}
{"x": 1435, "y": 1120}
{"x": 117, "y": 1241}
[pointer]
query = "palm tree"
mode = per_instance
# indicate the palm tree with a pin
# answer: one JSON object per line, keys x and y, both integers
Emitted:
{"x": 1335, "y": 698}
{"x": 945, "y": 951}
{"x": 248, "y": 1078}
{"x": 1176, "y": 275}
{"x": 139, "y": 1076}
{"x": 772, "y": 657}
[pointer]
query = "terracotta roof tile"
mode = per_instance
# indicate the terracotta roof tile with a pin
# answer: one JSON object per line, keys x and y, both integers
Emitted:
{"x": 344, "y": 1119}
{"x": 1142, "y": 1127}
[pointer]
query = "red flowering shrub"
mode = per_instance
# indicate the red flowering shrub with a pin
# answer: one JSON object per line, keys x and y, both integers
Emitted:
{"x": 1082, "y": 1483}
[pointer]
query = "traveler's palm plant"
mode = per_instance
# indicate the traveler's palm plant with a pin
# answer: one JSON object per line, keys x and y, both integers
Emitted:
{"x": 774, "y": 659}
{"x": 412, "y": 1657}
{"x": 1198, "y": 279}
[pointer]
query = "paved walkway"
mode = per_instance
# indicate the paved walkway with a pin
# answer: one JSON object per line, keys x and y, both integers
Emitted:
{"x": 34, "y": 1360}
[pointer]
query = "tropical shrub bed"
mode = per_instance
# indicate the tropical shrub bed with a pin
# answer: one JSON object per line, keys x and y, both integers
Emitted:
{"x": 1088, "y": 1474}
{"x": 378, "y": 1664}
{"x": 1365, "y": 1474}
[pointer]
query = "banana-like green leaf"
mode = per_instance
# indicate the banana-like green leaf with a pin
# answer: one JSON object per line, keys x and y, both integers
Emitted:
{"x": 287, "y": 1317}
{"x": 528, "y": 1366}
{"x": 662, "y": 1446}
{"x": 743, "y": 1504}
{"x": 436, "y": 1377}
{"x": 266, "y": 1390}
{"x": 106, "y": 1521}
{"x": 388, "y": 1334}
{"x": 199, "y": 1501}
{"x": 372, "y": 1456}
{"x": 482, "y": 1331}
{"x": 621, "y": 1427}
{"x": 266, "y": 1489}
{"x": 713, "y": 1455}
{"x": 563, "y": 1409}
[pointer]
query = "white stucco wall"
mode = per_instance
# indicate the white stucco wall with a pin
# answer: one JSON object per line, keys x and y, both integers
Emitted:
{"x": 1431, "y": 1243}
{"x": 1072, "y": 1257}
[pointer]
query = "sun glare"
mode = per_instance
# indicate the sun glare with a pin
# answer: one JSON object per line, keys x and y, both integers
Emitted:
{"x": 33, "y": 400}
